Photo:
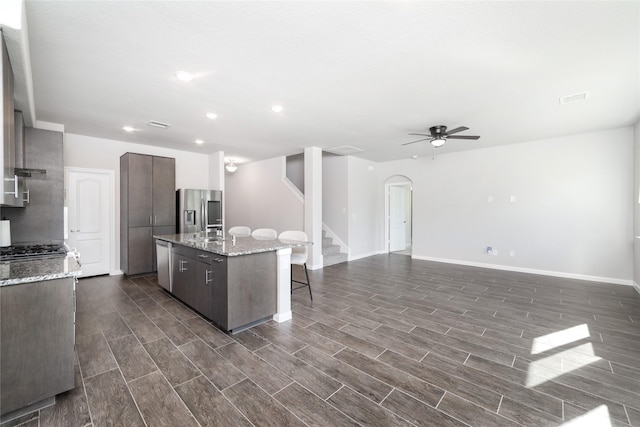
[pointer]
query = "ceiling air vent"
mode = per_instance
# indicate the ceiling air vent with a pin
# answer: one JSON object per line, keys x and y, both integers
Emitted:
{"x": 344, "y": 150}
{"x": 576, "y": 97}
{"x": 159, "y": 124}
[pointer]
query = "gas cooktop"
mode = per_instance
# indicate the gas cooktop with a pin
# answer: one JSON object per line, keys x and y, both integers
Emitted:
{"x": 32, "y": 251}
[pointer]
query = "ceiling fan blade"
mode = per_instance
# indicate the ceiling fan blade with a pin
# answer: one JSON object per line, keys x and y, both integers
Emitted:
{"x": 413, "y": 142}
{"x": 456, "y": 130}
{"x": 420, "y": 134}
{"x": 463, "y": 137}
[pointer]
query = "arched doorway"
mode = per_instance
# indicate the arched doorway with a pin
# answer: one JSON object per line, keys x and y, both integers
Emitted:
{"x": 398, "y": 214}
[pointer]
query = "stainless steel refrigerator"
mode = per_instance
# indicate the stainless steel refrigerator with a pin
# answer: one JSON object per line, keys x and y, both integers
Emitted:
{"x": 199, "y": 210}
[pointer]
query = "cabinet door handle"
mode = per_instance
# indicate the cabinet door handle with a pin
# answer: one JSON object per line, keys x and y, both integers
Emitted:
{"x": 155, "y": 219}
{"x": 182, "y": 268}
{"x": 203, "y": 256}
{"x": 26, "y": 193}
{"x": 15, "y": 186}
{"x": 150, "y": 220}
{"x": 207, "y": 279}
{"x": 219, "y": 260}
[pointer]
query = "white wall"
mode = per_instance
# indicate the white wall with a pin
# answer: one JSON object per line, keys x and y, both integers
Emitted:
{"x": 572, "y": 213}
{"x": 192, "y": 169}
{"x": 258, "y": 197}
{"x": 365, "y": 215}
{"x": 335, "y": 195}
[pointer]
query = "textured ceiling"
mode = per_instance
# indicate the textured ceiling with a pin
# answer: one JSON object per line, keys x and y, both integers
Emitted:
{"x": 362, "y": 74}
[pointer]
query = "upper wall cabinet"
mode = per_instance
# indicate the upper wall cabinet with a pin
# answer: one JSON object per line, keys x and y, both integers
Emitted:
{"x": 10, "y": 195}
{"x": 147, "y": 207}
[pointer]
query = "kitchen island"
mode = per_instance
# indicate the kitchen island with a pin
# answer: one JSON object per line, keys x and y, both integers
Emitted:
{"x": 37, "y": 335}
{"x": 234, "y": 282}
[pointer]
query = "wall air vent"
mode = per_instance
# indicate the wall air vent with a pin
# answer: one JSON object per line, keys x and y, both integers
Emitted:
{"x": 344, "y": 150}
{"x": 159, "y": 124}
{"x": 576, "y": 97}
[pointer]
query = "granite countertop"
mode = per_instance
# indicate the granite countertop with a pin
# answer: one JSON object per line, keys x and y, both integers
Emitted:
{"x": 226, "y": 246}
{"x": 37, "y": 270}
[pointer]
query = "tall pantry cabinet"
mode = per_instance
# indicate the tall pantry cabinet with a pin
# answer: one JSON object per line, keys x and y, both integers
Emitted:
{"x": 147, "y": 207}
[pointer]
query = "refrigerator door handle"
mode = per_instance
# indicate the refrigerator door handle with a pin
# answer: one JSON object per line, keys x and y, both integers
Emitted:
{"x": 202, "y": 215}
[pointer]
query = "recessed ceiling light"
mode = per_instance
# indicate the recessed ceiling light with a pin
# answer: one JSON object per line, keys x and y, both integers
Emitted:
{"x": 185, "y": 76}
{"x": 414, "y": 157}
{"x": 212, "y": 116}
{"x": 128, "y": 128}
{"x": 199, "y": 141}
{"x": 277, "y": 108}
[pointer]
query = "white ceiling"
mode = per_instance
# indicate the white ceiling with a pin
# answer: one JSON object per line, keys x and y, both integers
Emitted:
{"x": 362, "y": 74}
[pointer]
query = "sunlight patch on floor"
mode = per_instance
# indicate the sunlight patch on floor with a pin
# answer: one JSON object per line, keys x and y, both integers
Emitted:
{"x": 598, "y": 416}
{"x": 559, "y": 338}
{"x": 554, "y": 365}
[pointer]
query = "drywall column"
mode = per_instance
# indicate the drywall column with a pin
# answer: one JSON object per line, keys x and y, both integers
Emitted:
{"x": 216, "y": 180}
{"x": 313, "y": 204}
{"x": 216, "y": 171}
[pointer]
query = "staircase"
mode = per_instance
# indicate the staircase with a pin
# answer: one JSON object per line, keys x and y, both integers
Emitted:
{"x": 331, "y": 253}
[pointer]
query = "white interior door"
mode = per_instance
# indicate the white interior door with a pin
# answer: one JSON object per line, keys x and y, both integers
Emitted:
{"x": 89, "y": 219}
{"x": 399, "y": 217}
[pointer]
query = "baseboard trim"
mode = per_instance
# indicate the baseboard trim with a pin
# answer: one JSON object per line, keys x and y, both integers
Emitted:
{"x": 116, "y": 273}
{"x": 561, "y": 274}
{"x": 636, "y": 286}
{"x": 356, "y": 257}
{"x": 283, "y": 317}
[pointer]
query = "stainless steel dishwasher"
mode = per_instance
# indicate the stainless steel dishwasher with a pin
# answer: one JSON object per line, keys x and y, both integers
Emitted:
{"x": 163, "y": 256}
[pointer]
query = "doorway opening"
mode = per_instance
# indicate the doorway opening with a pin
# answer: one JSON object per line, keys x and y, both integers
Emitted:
{"x": 399, "y": 207}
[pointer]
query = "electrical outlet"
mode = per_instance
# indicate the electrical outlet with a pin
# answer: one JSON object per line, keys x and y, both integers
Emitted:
{"x": 494, "y": 252}
{"x": 512, "y": 253}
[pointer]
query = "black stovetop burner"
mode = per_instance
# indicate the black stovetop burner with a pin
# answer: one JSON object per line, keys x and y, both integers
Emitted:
{"x": 32, "y": 251}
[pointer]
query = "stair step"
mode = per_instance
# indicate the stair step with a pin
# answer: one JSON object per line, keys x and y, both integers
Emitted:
{"x": 331, "y": 253}
{"x": 330, "y": 250}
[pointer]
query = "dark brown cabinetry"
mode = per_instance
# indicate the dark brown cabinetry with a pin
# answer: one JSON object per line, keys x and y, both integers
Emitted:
{"x": 231, "y": 291}
{"x": 36, "y": 342}
{"x": 147, "y": 207}
{"x": 9, "y": 196}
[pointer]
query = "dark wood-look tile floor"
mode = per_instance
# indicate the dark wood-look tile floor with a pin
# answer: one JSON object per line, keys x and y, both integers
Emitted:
{"x": 387, "y": 341}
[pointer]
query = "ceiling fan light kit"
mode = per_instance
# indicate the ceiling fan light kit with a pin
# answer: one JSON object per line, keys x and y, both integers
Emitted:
{"x": 231, "y": 167}
{"x": 438, "y": 142}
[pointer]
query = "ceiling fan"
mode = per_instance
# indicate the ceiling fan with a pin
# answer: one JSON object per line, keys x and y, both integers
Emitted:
{"x": 438, "y": 135}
